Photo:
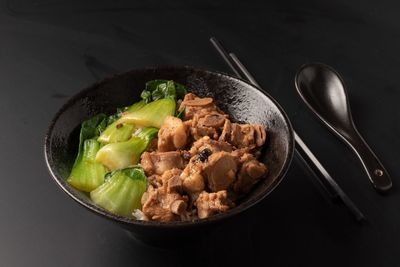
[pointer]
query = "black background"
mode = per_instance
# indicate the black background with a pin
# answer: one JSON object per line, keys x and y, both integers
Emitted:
{"x": 50, "y": 49}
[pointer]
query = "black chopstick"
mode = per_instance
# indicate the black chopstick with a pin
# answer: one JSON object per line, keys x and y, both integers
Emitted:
{"x": 302, "y": 151}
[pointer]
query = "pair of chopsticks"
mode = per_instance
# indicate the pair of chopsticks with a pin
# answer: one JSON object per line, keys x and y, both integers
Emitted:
{"x": 302, "y": 151}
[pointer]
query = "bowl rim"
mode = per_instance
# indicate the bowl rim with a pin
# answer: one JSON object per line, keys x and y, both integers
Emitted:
{"x": 181, "y": 224}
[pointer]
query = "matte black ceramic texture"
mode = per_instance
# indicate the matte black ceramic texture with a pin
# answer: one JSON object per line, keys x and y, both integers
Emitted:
{"x": 242, "y": 101}
{"x": 324, "y": 92}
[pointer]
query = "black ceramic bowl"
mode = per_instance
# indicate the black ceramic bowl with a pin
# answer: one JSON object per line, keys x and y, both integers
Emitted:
{"x": 242, "y": 101}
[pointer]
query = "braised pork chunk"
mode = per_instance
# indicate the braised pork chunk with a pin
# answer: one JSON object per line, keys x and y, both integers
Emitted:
{"x": 172, "y": 135}
{"x": 159, "y": 162}
{"x": 199, "y": 160}
{"x": 211, "y": 203}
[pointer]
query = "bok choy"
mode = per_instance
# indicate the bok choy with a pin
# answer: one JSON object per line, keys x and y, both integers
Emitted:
{"x": 158, "y": 89}
{"x": 160, "y": 97}
{"x": 116, "y": 131}
{"x": 124, "y": 154}
{"x": 152, "y": 114}
{"x": 122, "y": 191}
{"x": 86, "y": 173}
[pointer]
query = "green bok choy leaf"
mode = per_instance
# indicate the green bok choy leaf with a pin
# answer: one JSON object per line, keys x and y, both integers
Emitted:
{"x": 152, "y": 114}
{"x": 86, "y": 174}
{"x": 158, "y": 89}
{"x": 116, "y": 131}
{"x": 122, "y": 192}
{"x": 124, "y": 154}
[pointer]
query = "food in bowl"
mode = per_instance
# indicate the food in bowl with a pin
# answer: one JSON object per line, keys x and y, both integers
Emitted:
{"x": 172, "y": 156}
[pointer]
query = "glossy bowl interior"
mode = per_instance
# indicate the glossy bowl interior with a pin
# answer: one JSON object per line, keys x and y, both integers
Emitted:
{"x": 242, "y": 101}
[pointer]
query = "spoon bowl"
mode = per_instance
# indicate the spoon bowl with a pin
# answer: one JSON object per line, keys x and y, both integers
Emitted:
{"x": 324, "y": 92}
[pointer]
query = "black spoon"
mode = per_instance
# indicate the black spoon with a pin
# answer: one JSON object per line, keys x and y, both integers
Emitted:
{"x": 323, "y": 90}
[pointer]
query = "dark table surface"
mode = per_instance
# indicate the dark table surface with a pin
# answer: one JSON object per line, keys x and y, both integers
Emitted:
{"x": 50, "y": 49}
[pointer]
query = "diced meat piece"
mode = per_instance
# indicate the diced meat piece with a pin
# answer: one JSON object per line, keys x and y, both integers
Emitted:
{"x": 199, "y": 102}
{"x": 152, "y": 207}
{"x": 214, "y": 120}
{"x": 193, "y": 181}
{"x": 146, "y": 162}
{"x": 188, "y": 97}
{"x": 198, "y": 132}
{"x": 212, "y": 203}
{"x": 196, "y": 105}
{"x": 178, "y": 207}
{"x": 220, "y": 171}
{"x": 247, "y": 135}
{"x": 172, "y": 135}
{"x": 207, "y": 143}
{"x": 242, "y": 155}
{"x": 174, "y": 185}
{"x": 209, "y": 124}
{"x": 159, "y": 162}
{"x": 188, "y": 123}
{"x": 159, "y": 205}
{"x": 169, "y": 174}
{"x": 226, "y": 131}
{"x": 250, "y": 172}
{"x": 171, "y": 179}
{"x": 242, "y": 135}
{"x": 202, "y": 117}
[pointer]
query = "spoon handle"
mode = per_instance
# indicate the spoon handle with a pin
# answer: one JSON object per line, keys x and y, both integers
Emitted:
{"x": 377, "y": 174}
